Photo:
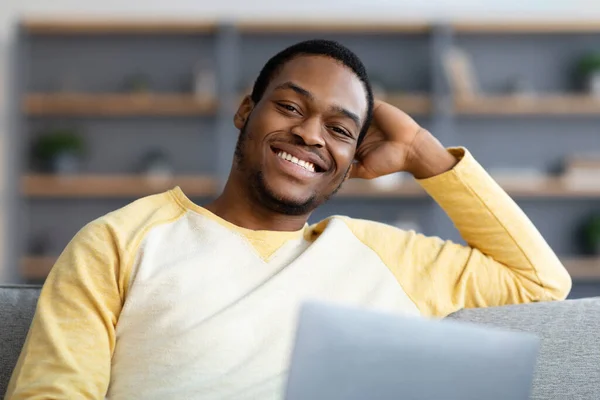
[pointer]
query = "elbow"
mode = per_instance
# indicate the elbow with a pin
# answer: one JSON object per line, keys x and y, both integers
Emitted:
{"x": 560, "y": 285}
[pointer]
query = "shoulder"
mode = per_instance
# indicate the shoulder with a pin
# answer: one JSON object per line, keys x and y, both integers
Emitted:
{"x": 371, "y": 233}
{"x": 124, "y": 226}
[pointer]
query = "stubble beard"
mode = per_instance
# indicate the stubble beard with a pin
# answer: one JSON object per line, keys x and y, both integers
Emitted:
{"x": 264, "y": 194}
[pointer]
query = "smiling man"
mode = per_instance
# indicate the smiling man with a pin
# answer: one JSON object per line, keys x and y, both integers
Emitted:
{"x": 167, "y": 299}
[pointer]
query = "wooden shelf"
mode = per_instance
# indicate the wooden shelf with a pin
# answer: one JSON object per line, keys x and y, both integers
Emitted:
{"x": 366, "y": 189}
{"x": 112, "y": 26}
{"x": 333, "y": 26}
{"x": 583, "y": 269}
{"x": 415, "y": 103}
{"x": 117, "y": 105}
{"x": 36, "y": 267}
{"x": 95, "y": 26}
{"x": 542, "y": 105}
{"x": 548, "y": 187}
{"x": 106, "y": 186}
{"x": 539, "y": 27}
{"x": 101, "y": 186}
{"x": 580, "y": 269}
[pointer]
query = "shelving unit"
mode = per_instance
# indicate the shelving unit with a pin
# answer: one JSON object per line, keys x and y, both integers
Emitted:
{"x": 117, "y": 186}
{"x": 331, "y": 27}
{"x": 546, "y": 105}
{"x": 414, "y": 103}
{"x": 97, "y": 26}
{"x": 34, "y": 268}
{"x": 122, "y": 186}
{"x": 117, "y": 105}
{"x": 527, "y": 27}
{"x": 498, "y": 128}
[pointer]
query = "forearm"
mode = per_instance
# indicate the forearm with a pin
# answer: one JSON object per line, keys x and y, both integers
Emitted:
{"x": 491, "y": 222}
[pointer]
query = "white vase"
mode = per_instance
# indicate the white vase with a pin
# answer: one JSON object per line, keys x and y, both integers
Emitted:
{"x": 593, "y": 83}
{"x": 65, "y": 164}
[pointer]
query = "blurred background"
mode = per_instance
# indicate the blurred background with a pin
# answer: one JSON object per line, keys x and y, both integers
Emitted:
{"x": 106, "y": 102}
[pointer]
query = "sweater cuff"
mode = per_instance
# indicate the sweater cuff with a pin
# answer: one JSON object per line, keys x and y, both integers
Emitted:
{"x": 467, "y": 174}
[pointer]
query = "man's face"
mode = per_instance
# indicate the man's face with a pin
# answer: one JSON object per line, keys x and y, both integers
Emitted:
{"x": 297, "y": 144}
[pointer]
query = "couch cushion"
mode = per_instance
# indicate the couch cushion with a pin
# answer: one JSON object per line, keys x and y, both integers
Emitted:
{"x": 568, "y": 365}
{"x": 17, "y": 306}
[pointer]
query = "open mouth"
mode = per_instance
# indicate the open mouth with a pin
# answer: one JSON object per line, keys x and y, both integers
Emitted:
{"x": 307, "y": 165}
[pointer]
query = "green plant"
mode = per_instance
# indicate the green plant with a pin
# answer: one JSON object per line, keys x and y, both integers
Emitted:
{"x": 58, "y": 142}
{"x": 591, "y": 234}
{"x": 588, "y": 64}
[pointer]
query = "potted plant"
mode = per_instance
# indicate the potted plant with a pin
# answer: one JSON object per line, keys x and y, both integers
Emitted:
{"x": 588, "y": 72}
{"x": 591, "y": 234}
{"x": 59, "y": 151}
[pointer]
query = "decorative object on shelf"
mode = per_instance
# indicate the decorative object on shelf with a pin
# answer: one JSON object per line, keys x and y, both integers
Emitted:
{"x": 460, "y": 73}
{"x": 157, "y": 168}
{"x": 59, "y": 151}
{"x": 521, "y": 87}
{"x": 591, "y": 235}
{"x": 40, "y": 244}
{"x": 588, "y": 73}
{"x": 525, "y": 177}
{"x": 137, "y": 83}
{"x": 205, "y": 81}
{"x": 582, "y": 170}
{"x": 389, "y": 182}
{"x": 406, "y": 223}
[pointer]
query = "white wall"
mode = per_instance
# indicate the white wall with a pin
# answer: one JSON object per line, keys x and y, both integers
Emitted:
{"x": 12, "y": 10}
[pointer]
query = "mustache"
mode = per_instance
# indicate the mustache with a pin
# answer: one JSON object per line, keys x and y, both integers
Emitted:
{"x": 298, "y": 142}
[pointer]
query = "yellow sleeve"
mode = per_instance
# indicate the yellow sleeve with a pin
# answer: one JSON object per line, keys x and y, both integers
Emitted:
{"x": 68, "y": 348}
{"x": 506, "y": 260}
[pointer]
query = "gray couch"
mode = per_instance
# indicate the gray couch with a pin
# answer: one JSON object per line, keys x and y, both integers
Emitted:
{"x": 568, "y": 365}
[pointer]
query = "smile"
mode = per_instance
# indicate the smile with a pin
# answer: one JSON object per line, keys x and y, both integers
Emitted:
{"x": 304, "y": 164}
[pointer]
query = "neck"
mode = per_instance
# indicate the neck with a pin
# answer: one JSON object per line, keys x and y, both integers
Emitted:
{"x": 239, "y": 207}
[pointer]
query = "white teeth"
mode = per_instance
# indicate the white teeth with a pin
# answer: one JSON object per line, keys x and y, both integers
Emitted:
{"x": 304, "y": 164}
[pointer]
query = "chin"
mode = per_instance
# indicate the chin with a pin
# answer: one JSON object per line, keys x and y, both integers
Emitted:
{"x": 281, "y": 198}
{"x": 291, "y": 196}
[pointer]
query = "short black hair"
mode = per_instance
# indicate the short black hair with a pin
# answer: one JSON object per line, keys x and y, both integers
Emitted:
{"x": 328, "y": 48}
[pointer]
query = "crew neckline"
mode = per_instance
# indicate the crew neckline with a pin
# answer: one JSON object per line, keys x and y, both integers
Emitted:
{"x": 188, "y": 204}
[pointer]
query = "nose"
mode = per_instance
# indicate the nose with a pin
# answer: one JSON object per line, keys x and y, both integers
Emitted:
{"x": 311, "y": 132}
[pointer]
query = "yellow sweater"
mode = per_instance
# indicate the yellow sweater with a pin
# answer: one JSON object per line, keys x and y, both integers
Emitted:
{"x": 164, "y": 300}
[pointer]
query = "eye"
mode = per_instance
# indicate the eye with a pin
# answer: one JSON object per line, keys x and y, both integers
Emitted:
{"x": 289, "y": 108}
{"x": 340, "y": 131}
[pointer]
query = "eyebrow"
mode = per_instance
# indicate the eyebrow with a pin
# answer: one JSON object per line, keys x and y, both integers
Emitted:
{"x": 335, "y": 108}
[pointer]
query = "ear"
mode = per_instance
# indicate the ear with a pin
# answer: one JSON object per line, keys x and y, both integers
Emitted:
{"x": 243, "y": 112}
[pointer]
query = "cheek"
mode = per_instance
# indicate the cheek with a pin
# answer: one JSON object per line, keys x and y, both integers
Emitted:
{"x": 343, "y": 156}
{"x": 268, "y": 120}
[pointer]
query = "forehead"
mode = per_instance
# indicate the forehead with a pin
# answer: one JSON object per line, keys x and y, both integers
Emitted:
{"x": 328, "y": 80}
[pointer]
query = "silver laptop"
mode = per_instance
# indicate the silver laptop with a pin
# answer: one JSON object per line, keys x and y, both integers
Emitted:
{"x": 343, "y": 353}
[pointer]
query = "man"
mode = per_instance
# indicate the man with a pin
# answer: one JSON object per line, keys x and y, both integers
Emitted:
{"x": 166, "y": 299}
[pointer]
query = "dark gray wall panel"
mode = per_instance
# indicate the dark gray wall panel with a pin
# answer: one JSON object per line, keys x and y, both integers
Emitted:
{"x": 546, "y": 61}
{"x": 60, "y": 219}
{"x": 540, "y": 142}
{"x": 401, "y": 61}
{"x": 188, "y": 142}
{"x": 100, "y": 63}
